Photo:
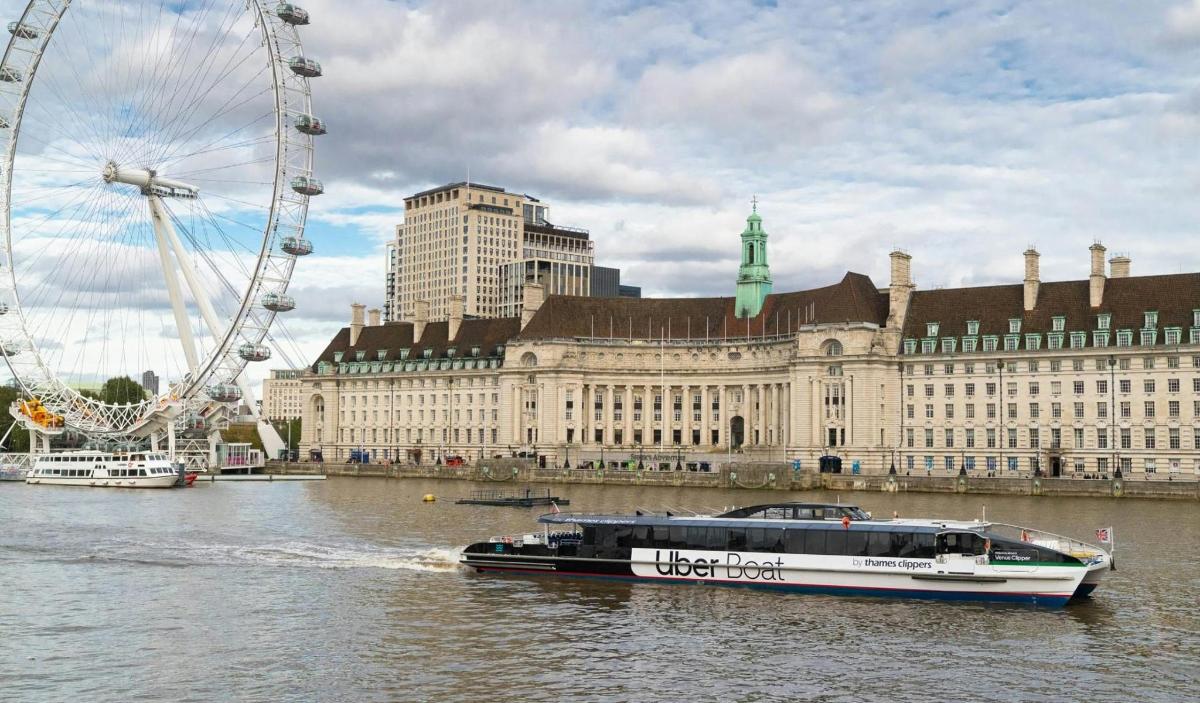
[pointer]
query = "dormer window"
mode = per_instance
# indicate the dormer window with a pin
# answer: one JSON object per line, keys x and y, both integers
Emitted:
{"x": 451, "y": 352}
{"x": 1103, "y": 321}
{"x": 1014, "y": 325}
{"x": 1124, "y": 338}
{"x": 403, "y": 354}
{"x": 910, "y": 346}
{"x": 337, "y": 357}
{"x": 427, "y": 354}
{"x": 1011, "y": 342}
{"x": 1054, "y": 340}
{"x": 474, "y": 351}
{"x": 1058, "y": 323}
{"x": 360, "y": 355}
{"x": 969, "y": 344}
{"x": 1078, "y": 340}
{"x": 990, "y": 342}
{"x": 931, "y": 329}
{"x": 381, "y": 354}
{"x": 1151, "y": 320}
{"x": 1099, "y": 338}
{"x": 927, "y": 346}
{"x": 1173, "y": 335}
{"x": 1196, "y": 318}
{"x": 948, "y": 344}
{"x": 1149, "y": 337}
{"x": 1033, "y": 342}
{"x": 972, "y": 327}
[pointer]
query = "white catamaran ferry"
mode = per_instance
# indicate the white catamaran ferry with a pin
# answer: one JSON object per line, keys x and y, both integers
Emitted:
{"x": 808, "y": 547}
{"x": 91, "y": 468}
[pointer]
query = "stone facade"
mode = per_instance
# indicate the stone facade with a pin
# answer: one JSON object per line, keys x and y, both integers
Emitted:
{"x": 281, "y": 394}
{"x": 848, "y": 369}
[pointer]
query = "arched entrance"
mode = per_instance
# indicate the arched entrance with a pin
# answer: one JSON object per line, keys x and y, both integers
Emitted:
{"x": 737, "y": 431}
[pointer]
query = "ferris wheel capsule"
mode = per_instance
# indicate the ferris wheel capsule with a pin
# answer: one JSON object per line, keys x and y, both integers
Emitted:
{"x": 307, "y": 186}
{"x": 9, "y": 75}
{"x": 307, "y": 124}
{"x": 3, "y": 308}
{"x": 296, "y": 246}
{"x": 225, "y": 393}
{"x": 254, "y": 352}
{"x": 4, "y": 123}
{"x": 304, "y": 67}
{"x": 10, "y": 348}
{"x": 277, "y": 302}
{"x": 292, "y": 14}
{"x": 22, "y": 31}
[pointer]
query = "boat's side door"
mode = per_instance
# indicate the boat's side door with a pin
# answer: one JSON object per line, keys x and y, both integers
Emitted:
{"x": 956, "y": 552}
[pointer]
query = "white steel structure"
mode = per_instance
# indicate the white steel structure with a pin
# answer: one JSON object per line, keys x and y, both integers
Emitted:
{"x": 156, "y": 163}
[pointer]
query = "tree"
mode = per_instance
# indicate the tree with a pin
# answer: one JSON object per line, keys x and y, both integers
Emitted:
{"x": 121, "y": 390}
{"x": 18, "y": 439}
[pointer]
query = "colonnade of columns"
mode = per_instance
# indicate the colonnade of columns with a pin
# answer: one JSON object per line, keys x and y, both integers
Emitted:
{"x": 629, "y": 414}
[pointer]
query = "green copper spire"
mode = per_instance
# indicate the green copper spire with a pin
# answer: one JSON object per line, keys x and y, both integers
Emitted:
{"x": 754, "y": 275}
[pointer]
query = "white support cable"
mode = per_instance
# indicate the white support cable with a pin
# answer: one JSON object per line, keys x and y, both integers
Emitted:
{"x": 163, "y": 231}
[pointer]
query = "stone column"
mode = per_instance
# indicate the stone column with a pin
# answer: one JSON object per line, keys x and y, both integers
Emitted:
{"x": 775, "y": 439}
{"x": 705, "y": 416}
{"x": 848, "y": 409}
{"x": 628, "y": 430}
{"x": 685, "y": 418}
{"x": 818, "y": 412}
{"x": 648, "y": 416}
{"x": 763, "y": 416}
{"x": 723, "y": 429}
{"x": 747, "y": 411}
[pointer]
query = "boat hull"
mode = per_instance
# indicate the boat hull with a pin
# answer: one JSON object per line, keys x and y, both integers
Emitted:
{"x": 1045, "y": 589}
{"x": 163, "y": 481}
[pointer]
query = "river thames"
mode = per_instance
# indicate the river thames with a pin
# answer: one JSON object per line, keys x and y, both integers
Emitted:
{"x": 348, "y": 590}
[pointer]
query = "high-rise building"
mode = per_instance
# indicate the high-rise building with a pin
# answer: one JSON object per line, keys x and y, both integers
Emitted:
{"x": 150, "y": 381}
{"x": 453, "y": 241}
{"x": 558, "y": 258}
{"x": 281, "y": 395}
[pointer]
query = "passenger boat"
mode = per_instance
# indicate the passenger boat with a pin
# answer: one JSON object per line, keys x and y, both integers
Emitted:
{"x": 92, "y": 468}
{"x": 808, "y": 547}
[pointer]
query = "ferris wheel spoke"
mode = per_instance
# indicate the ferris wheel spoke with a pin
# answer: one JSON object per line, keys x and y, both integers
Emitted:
{"x": 186, "y": 83}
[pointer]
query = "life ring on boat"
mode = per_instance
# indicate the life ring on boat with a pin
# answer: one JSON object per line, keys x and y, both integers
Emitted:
{"x": 1024, "y": 536}
{"x": 846, "y": 521}
{"x": 508, "y": 540}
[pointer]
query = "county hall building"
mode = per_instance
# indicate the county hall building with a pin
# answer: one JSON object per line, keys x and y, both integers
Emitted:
{"x": 1070, "y": 377}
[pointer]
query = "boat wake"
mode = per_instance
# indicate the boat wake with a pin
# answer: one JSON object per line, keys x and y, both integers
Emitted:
{"x": 300, "y": 555}
{"x": 319, "y": 556}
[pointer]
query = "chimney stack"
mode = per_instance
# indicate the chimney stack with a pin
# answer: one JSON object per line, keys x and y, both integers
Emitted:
{"x": 533, "y": 295}
{"x": 1119, "y": 266}
{"x": 420, "y": 319}
{"x": 1032, "y": 278}
{"x": 457, "y": 303}
{"x": 373, "y": 317}
{"x": 900, "y": 290}
{"x": 1096, "y": 279}
{"x": 356, "y": 322}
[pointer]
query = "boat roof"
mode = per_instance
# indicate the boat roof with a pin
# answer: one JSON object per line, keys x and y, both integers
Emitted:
{"x": 905, "y": 525}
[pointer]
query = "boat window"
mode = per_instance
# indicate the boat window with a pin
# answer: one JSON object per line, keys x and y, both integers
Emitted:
{"x": 141, "y": 472}
{"x": 960, "y": 543}
{"x": 879, "y": 544}
{"x": 818, "y": 513}
{"x": 718, "y": 537}
{"x": 737, "y": 539}
{"x": 679, "y": 537}
{"x": 778, "y": 512}
{"x": 661, "y": 536}
{"x": 814, "y": 542}
{"x": 856, "y": 543}
{"x": 804, "y": 513}
{"x": 768, "y": 539}
{"x": 902, "y": 544}
{"x": 697, "y": 537}
{"x": 793, "y": 541}
{"x": 835, "y": 541}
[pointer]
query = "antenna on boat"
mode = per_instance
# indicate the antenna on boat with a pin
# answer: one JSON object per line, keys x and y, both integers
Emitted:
{"x": 985, "y": 512}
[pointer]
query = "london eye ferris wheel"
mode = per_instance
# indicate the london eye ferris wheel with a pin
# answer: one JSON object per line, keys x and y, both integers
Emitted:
{"x": 156, "y": 163}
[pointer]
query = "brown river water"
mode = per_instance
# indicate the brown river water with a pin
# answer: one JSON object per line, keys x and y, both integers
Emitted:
{"x": 348, "y": 590}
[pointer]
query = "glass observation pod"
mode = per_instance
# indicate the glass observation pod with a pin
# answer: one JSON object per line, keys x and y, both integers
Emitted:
{"x": 307, "y": 186}
{"x": 304, "y": 67}
{"x": 308, "y": 124}
{"x": 22, "y": 31}
{"x": 3, "y": 308}
{"x": 10, "y": 348}
{"x": 3, "y": 123}
{"x": 254, "y": 352}
{"x": 277, "y": 302}
{"x": 9, "y": 75}
{"x": 296, "y": 246}
{"x": 292, "y": 14}
{"x": 225, "y": 393}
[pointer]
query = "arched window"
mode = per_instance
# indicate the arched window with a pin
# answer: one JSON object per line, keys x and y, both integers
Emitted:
{"x": 529, "y": 360}
{"x": 749, "y": 253}
{"x": 833, "y": 348}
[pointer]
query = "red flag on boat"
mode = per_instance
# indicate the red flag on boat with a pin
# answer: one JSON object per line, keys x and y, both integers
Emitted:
{"x": 1104, "y": 534}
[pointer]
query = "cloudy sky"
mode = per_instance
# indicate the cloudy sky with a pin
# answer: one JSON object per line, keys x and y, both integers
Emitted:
{"x": 961, "y": 132}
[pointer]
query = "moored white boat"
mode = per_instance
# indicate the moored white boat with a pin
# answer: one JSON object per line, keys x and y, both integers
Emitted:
{"x": 805, "y": 547}
{"x": 103, "y": 469}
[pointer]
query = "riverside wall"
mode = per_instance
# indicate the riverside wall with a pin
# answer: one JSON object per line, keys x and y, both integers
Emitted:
{"x": 764, "y": 476}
